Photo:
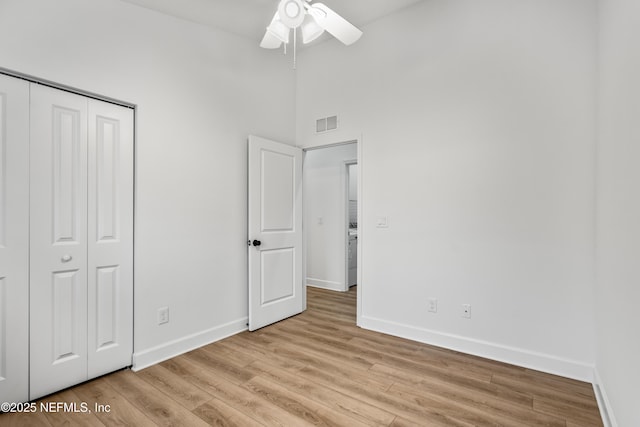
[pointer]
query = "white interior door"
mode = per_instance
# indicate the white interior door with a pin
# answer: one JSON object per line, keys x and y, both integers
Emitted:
{"x": 58, "y": 309}
{"x": 14, "y": 240}
{"x": 110, "y": 238}
{"x": 275, "y": 232}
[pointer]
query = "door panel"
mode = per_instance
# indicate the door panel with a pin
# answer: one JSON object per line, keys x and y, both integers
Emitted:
{"x": 106, "y": 315}
{"x": 58, "y": 223}
{"x": 67, "y": 177}
{"x": 14, "y": 243}
{"x": 110, "y": 256}
{"x": 278, "y": 196}
{"x": 278, "y": 275}
{"x": 275, "y": 219}
{"x": 67, "y": 341}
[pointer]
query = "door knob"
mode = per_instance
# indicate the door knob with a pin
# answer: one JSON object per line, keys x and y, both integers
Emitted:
{"x": 257, "y": 243}
{"x": 66, "y": 258}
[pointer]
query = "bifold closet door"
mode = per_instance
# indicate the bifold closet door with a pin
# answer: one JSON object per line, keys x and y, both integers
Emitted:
{"x": 110, "y": 238}
{"x": 81, "y": 283}
{"x": 58, "y": 254}
{"x": 14, "y": 240}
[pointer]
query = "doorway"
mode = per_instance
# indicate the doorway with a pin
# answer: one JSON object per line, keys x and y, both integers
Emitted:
{"x": 331, "y": 217}
{"x": 272, "y": 191}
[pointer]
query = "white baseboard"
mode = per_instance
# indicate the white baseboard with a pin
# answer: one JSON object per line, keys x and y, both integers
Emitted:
{"x": 146, "y": 358}
{"x": 325, "y": 284}
{"x": 516, "y": 356}
{"x": 606, "y": 411}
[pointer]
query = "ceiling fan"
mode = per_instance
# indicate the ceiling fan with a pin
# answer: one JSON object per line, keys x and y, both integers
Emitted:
{"x": 312, "y": 19}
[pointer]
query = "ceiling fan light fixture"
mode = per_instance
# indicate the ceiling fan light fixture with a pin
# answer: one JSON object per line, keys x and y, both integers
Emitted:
{"x": 279, "y": 30}
{"x": 313, "y": 20}
{"x": 269, "y": 41}
{"x": 292, "y": 12}
{"x": 310, "y": 29}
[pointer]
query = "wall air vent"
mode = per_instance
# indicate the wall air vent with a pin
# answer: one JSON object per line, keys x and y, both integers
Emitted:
{"x": 326, "y": 123}
{"x": 332, "y": 123}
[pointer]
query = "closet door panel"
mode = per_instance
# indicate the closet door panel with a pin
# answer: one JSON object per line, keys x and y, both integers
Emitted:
{"x": 14, "y": 239}
{"x": 58, "y": 221}
{"x": 110, "y": 246}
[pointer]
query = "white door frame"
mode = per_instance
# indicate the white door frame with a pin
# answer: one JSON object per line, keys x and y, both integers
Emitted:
{"x": 359, "y": 140}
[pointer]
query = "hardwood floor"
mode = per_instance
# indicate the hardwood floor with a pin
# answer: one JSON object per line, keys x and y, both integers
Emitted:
{"x": 318, "y": 368}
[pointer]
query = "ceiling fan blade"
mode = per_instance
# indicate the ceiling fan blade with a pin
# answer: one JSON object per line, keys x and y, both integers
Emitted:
{"x": 334, "y": 24}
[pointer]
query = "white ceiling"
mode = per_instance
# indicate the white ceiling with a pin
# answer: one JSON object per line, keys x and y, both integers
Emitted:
{"x": 249, "y": 18}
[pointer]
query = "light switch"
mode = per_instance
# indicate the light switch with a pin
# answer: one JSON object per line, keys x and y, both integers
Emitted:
{"x": 320, "y": 220}
{"x": 382, "y": 222}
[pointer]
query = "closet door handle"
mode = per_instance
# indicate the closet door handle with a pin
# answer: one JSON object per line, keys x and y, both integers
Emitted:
{"x": 66, "y": 258}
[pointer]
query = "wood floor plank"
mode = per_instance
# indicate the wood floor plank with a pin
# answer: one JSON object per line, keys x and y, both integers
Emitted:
{"x": 217, "y": 413}
{"x": 161, "y": 410}
{"x": 576, "y": 424}
{"x": 403, "y": 422}
{"x": 328, "y": 333}
{"x": 77, "y": 413}
{"x": 255, "y": 338}
{"x": 260, "y": 353}
{"x": 468, "y": 388}
{"x": 22, "y": 419}
{"x": 539, "y": 381}
{"x": 382, "y": 399}
{"x": 175, "y": 387}
{"x": 419, "y": 365}
{"x": 436, "y": 359}
{"x": 325, "y": 349}
{"x": 581, "y": 416}
{"x": 480, "y": 410}
{"x": 345, "y": 404}
{"x": 239, "y": 359}
{"x": 553, "y": 392}
{"x": 448, "y": 358}
{"x": 299, "y": 405}
{"x": 316, "y": 317}
{"x": 120, "y": 411}
{"x": 364, "y": 378}
{"x": 220, "y": 365}
{"x": 232, "y": 394}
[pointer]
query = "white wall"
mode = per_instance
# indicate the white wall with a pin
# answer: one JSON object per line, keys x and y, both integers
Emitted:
{"x": 618, "y": 238}
{"x": 325, "y": 186}
{"x": 199, "y": 93}
{"x": 477, "y": 123}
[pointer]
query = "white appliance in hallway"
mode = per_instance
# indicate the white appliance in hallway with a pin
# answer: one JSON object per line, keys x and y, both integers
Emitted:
{"x": 353, "y": 256}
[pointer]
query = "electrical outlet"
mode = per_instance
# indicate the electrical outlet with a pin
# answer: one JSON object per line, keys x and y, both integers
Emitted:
{"x": 432, "y": 305}
{"x": 163, "y": 315}
{"x": 466, "y": 311}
